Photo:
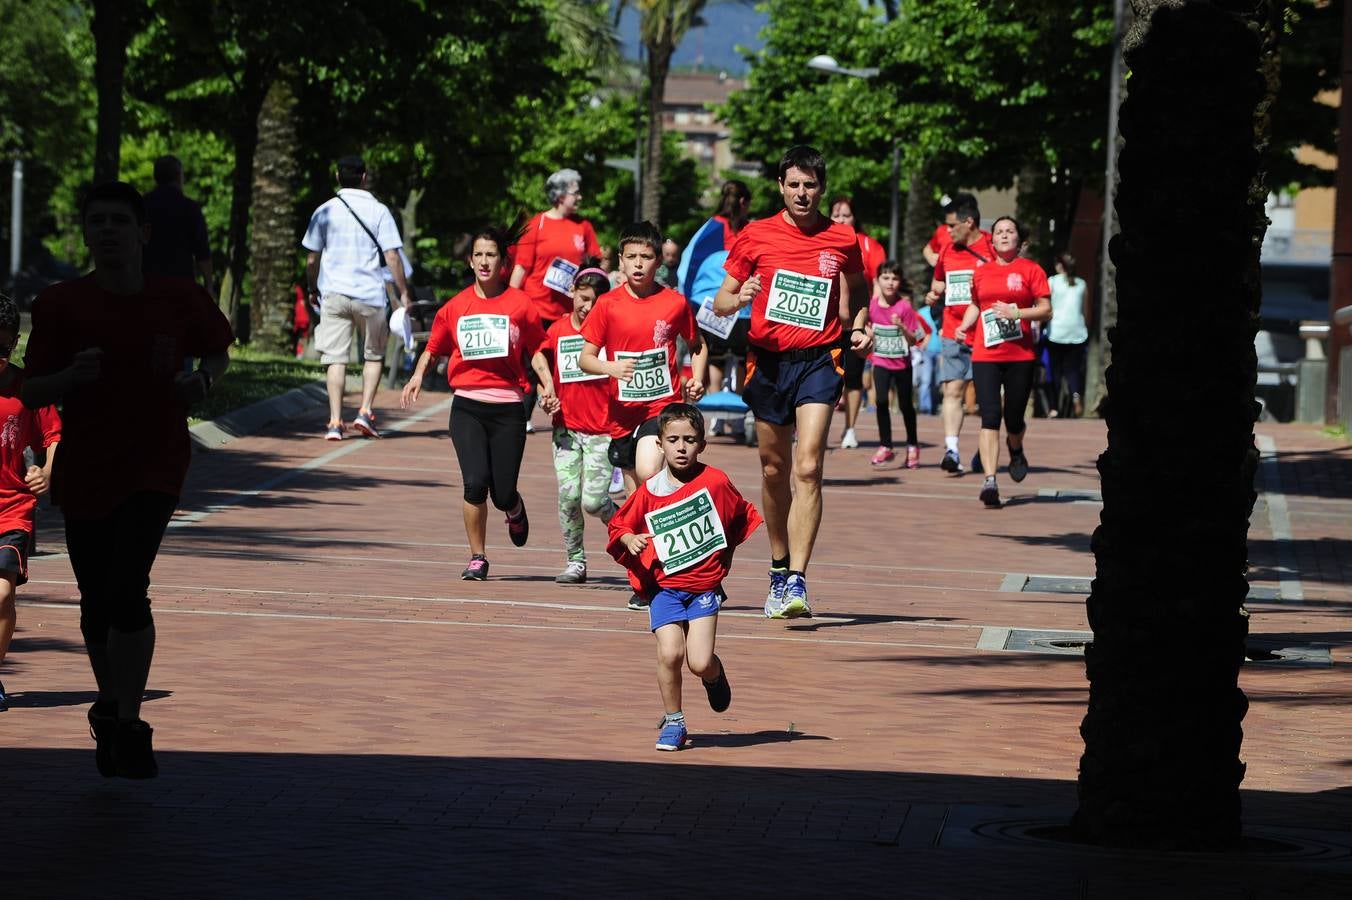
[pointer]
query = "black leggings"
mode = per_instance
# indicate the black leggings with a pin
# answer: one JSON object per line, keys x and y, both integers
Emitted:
{"x": 1067, "y": 361}
{"x": 1017, "y": 380}
{"x": 112, "y": 557}
{"x": 883, "y": 382}
{"x": 489, "y": 440}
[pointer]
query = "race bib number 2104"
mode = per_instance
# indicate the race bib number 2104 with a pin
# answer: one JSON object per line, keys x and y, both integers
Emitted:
{"x": 686, "y": 532}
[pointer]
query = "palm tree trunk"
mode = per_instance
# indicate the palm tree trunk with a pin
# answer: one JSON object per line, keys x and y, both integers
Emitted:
{"x": 659, "y": 63}
{"x": 1162, "y": 733}
{"x": 109, "y": 27}
{"x": 917, "y": 227}
{"x": 273, "y": 247}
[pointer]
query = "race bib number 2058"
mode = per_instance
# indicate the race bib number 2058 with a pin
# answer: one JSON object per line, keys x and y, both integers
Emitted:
{"x": 801, "y": 300}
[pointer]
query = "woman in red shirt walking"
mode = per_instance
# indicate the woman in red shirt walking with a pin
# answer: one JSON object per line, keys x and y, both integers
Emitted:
{"x": 490, "y": 332}
{"x": 1006, "y": 293}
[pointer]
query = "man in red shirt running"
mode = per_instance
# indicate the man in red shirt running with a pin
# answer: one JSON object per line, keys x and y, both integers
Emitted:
{"x": 799, "y": 272}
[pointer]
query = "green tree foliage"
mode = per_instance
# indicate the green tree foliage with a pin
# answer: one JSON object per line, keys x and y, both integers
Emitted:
{"x": 1310, "y": 50}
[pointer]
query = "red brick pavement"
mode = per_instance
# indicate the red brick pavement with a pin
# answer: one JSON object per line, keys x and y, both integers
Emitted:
{"x": 337, "y": 713}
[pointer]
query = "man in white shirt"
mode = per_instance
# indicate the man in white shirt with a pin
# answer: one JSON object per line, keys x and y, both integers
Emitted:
{"x": 358, "y": 242}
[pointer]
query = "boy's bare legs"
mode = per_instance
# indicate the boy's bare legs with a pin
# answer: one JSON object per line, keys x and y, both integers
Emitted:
{"x": 335, "y": 381}
{"x": 699, "y": 648}
{"x": 476, "y": 526}
{"x": 670, "y": 658}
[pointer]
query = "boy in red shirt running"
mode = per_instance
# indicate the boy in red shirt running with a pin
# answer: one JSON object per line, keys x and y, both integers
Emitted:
{"x": 20, "y": 485}
{"x": 581, "y": 425}
{"x": 97, "y": 341}
{"x": 676, "y": 534}
{"x": 638, "y": 323}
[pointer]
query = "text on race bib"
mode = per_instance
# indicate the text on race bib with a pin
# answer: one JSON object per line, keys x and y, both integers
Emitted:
{"x": 652, "y": 375}
{"x": 569, "y": 352}
{"x": 958, "y": 291}
{"x": 559, "y": 275}
{"x": 997, "y": 330}
{"x": 483, "y": 336}
{"x": 714, "y": 324}
{"x": 800, "y": 300}
{"x": 889, "y": 342}
{"x": 686, "y": 532}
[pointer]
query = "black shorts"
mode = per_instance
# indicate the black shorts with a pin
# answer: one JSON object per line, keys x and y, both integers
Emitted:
{"x": 852, "y": 364}
{"x": 735, "y": 343}
{"x": 15, "y": 546}
{"x": 777, "y": 384}
{"x": 622, "y": 452}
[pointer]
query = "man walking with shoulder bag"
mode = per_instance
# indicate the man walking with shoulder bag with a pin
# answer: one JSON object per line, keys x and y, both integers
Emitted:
{"x": 351, "y": 239}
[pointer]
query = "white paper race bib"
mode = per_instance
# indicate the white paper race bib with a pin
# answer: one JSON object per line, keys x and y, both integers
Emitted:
{"x": 559, "y": 275}
{"x": 568, "y": 352}
{"x": 800, "y": 300}
{"x": 652, "y": 375}
{"x": 889, "y": 342}
{"x": 714, "y": 324}
{"x": 998, "y": 330}
{"x": 686, "y": 532}
{"x": 483, "y": 336}
{"x": 958, "y": 289}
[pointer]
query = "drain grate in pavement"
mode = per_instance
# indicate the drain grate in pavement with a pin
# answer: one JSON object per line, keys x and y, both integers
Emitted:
{"x": 1058, "y": 584}
{"x": 1257, "y": 650}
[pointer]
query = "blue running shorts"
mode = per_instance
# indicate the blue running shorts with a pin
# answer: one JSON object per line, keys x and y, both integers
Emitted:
{"x": 777, "y": 384}
{"x": 682, "y": 606}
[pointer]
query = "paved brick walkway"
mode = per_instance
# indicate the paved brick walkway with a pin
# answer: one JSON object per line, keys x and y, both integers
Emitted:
{"x": 337, "y": 713}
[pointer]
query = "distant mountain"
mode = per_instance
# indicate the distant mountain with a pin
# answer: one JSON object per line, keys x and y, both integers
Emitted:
{"x": 727, "y": 26}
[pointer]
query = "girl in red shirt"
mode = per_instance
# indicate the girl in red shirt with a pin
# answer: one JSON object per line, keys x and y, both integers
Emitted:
{"x": 490, "y": 332}
{"x": 1007, "y": 293}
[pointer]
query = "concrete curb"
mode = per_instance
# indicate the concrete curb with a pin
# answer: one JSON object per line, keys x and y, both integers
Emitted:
{"x": 246, "y": 420}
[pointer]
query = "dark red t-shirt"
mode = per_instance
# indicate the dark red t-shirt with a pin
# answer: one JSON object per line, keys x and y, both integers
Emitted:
{"x": 765, "y": 247}
{"x": 1021, "y": 282}
{"x": 20, "y": 427}
{"x": 544, "y": 240}
{"x": 493, "y": 345}
{"x": 623, "y": 323}
{"x": 127, "y": 432}
{"x": 955, "y": 267}
{"x": 584, "y": 400}
{"x": 873, "y": 256}
{"x": 738, "y": 517}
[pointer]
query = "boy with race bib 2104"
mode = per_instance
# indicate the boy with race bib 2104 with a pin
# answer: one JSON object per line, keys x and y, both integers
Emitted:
{"x": 676, "y": 535}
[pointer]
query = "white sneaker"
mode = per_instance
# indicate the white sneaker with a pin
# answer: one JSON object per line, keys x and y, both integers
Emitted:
{"x": 530, "y": 427}
{"x": 617, "y": 481}
{"x": 573, "y": 573}
{"x": 848, "y": 441}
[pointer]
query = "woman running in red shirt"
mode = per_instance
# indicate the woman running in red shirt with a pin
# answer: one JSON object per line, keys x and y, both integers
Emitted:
{"x": 490, "y": 331}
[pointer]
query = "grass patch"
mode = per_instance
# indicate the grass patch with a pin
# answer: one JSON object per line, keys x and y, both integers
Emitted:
{"x": 254, "y": 375}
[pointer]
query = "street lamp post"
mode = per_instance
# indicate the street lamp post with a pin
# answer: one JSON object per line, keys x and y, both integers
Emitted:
{"x": 828, "y": 64}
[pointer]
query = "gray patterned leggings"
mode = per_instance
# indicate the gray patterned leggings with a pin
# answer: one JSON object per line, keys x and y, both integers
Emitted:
{"x": 583, "y": 470}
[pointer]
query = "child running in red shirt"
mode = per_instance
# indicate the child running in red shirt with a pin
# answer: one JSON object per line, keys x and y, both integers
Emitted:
{"x": 676, "y": 534}
{"x": 490, "y": 332}
{"x": 582, "y": 423}
{"x": 20, "y": 485}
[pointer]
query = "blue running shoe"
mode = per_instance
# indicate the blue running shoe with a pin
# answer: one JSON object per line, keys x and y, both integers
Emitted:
{"x": 673, "y": 737}
{"x": 774, "y": 601}
{"x": 795, "y": 598}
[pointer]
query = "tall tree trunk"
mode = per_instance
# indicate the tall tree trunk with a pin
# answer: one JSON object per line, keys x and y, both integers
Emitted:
{"x": 1163, "y": 731}
{"x": 273, "y": 253}
{"x": 916, "y": 229}
{"x": 1032, "y": 204}
{"x": 244, "y": 138}
{"x": 659, "y": 63}
{"x": 109, "y": 27}
{"x": 408, "y": 223}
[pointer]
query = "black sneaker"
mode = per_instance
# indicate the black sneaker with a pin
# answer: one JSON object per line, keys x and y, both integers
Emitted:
{"x": 4, "y": 698}
{"x": 518, "y": 527}
{"x": 951, "y": 463}
{"x": 132, "y": 756}
{"x": 719, "y": 691}
{"x": 990, "y": 494}
{"x": 103, "y": 729}
{"x": 477, "y": 570}
{"x": 638, "y": 602}
{"x": 1018, "y": 464}
{"x": 976, "y": 461}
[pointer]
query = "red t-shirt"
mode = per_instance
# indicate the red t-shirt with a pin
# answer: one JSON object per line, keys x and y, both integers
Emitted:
{"x": 738, "y": 517}
{"x": 768, "y": 245}
{"x": 940, "y": 239}
{"x": 545, "y": 240}
{"x": 623, "y": 323}
{"x": 127, "y": 432}
{"x": 1022, "y": 283}
{"x": 873, "y": 256}
{"x": 490, "y": 340}
{"x": 20, "y": 427}
{"x": 584, "y": 400}
{"x": 955, "y": 268}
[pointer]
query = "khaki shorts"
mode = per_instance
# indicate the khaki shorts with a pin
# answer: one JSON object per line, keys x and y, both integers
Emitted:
{"x": 339, "y": 316}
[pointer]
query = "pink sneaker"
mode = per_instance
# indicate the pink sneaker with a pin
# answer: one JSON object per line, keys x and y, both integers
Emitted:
{"x": 884, "y": 455}
{"x": 912, "y": 457}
